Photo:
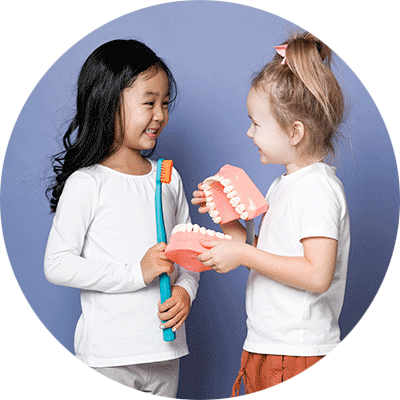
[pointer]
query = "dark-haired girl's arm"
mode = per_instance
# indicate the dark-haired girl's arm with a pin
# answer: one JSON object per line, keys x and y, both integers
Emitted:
{"x": 63, "y": 263}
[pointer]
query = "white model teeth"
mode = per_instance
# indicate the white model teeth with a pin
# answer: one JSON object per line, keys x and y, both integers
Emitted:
{"x": 211, "y": 205}
{"x": 151, "y": 130}
{"x": 228, "y": 189}
{"x": 197, "y": 229}
{"x": 240, "y": 208}
{"x": 235, "y": 201}
{"x": 231, "y": 194}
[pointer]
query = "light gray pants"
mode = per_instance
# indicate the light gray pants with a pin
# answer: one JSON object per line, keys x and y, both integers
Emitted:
{"x": 160, "y": 378}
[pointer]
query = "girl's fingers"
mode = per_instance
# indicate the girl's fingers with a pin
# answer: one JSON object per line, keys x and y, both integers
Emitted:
{"x": 171, "y": 313}
{"x": 176, "y": 322}
{"x": 203, "y": 257}
{"x": 162, "y": 256}
{"x": 199, "y": 194}
{"x": 166, "y": 266}
{"x": 168, "y": 304}
{"x": 206, "y": 259}
{"x": 198, "y": 202}
{"x": 203, "y": 209}
{"x": 160, "y": 246}
{"x": 180, "y": 323}
{"x": 209, "y": 244}
{"x": 199, "y": 199}
{"x": 208, "y": 263}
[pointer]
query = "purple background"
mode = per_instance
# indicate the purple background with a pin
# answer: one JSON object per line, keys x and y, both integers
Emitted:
{"x": 213, "y": 49}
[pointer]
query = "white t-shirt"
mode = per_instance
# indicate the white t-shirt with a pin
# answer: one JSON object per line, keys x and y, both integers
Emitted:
{"x": 104, "y": 224}
{"x": 281, "y": 319}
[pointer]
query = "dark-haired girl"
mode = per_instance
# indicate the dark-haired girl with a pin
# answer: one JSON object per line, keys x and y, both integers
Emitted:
{"x": 103, "y": 238}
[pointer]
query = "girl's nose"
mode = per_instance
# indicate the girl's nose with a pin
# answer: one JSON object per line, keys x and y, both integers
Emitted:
{"x": 160, "y": 114}
{"x": 250, "y": 132}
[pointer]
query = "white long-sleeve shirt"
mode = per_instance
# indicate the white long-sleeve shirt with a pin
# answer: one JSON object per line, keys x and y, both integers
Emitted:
{"x": 103, "y": 226}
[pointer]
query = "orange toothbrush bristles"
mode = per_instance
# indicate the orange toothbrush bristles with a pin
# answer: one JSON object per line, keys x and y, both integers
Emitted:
{"x": 166, "y": 171}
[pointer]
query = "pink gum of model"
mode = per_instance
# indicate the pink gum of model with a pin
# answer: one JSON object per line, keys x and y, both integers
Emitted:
{"x": 231, "y": 194}
{"x": 184, "y": 247}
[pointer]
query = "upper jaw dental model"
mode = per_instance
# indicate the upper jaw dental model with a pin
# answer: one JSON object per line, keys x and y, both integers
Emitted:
{"x": 231, "y": 194}
{"x": 184, "y": 245}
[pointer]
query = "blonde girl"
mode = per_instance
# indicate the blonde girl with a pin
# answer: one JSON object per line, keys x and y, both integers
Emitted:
{"x": 298, "y": 263}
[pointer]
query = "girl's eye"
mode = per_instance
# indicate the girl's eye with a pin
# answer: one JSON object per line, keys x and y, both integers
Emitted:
{"x": 150, "y": 103}
{"x": 252, "y": 122}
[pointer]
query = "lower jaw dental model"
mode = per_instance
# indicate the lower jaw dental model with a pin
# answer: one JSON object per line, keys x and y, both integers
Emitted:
{"x": 230, "y": 195}
{"x": 184, "y": 245}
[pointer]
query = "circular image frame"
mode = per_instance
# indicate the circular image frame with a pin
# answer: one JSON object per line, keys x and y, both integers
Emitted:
{"x": 183, "y": 163}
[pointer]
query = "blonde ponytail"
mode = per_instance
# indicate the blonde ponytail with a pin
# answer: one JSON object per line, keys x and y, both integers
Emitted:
{"x": 304, "y": 88}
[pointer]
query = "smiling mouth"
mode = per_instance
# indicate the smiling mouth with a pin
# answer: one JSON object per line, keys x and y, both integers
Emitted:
{"x": 151, "y": 133}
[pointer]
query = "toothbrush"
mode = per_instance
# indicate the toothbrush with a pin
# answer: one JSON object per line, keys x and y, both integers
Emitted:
{"x": 164, "y": 173}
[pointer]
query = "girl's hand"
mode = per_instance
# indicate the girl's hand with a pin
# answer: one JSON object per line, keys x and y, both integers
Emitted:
{"x": 199, "y": 199}
{"x": 175, "y": 309}
{"x": 223, "y": 256}
{"x": 154, "y": 263}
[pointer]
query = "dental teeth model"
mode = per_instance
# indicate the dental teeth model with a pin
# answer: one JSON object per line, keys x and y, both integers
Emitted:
{"x": 231, "y": 194}
{"x": 184, "y": 245}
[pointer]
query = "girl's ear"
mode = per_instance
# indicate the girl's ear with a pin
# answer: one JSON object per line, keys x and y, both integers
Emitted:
{"x": 297, "y": 133}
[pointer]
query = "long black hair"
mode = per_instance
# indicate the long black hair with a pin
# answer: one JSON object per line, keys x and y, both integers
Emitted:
{"x": 89, "y": 139}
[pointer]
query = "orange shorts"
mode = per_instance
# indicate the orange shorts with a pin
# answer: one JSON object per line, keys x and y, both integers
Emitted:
{"x": 261, "y": 371}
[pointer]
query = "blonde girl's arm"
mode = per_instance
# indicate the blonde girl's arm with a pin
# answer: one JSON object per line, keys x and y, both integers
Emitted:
{"x": 319, "y": 218}
{"x": 312, "y": 272}
{"x": 63, "y": 264}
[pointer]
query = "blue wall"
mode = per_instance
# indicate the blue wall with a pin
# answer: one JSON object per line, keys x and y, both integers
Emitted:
{"x": 213, "y": 49}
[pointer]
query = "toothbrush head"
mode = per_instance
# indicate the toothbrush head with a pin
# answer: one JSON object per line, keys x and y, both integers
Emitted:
{"x": 166, "y": 171}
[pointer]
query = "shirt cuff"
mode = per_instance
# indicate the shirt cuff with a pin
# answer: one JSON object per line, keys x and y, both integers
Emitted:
{"x": 137, "y": 277}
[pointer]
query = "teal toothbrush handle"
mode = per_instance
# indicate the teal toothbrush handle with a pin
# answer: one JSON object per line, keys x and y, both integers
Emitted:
{"x": 165, "y": 292}
{"x": 165, "y": 282}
